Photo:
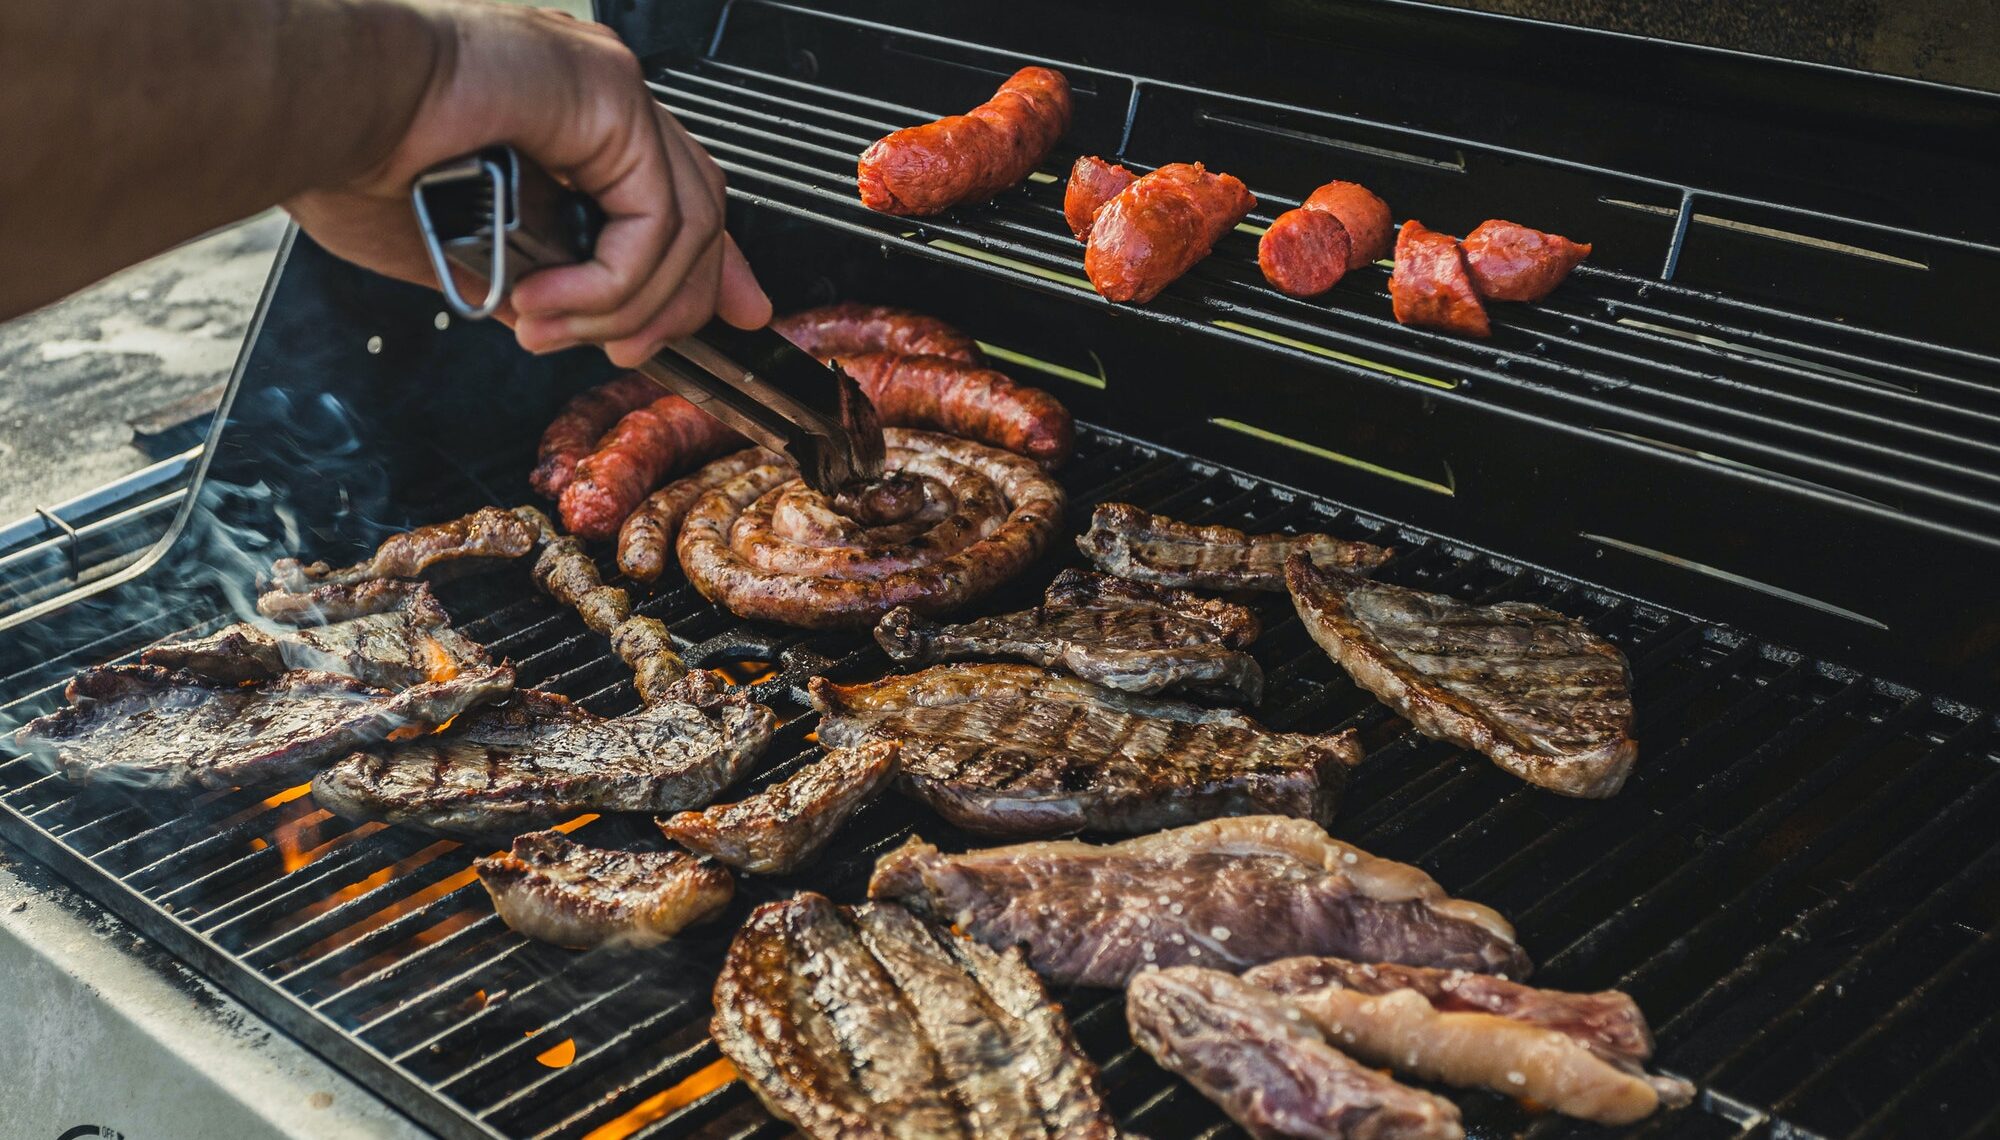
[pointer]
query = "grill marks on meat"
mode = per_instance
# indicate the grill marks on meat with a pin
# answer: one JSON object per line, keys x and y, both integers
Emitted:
{"x": 406, "y": 645}
{"x": 555, "y": 890}
{"x": 1539, "y": 693}
{"x": 1124, "y": 635}
{"x": 478, "y": 541}
{"x": 1228, "y": 893}
{"x": 965, "y": 400}
{"x": 146, "y": 726}
{"x": 1272, "y": 1072}
{"x": 1579, "y": 1054}
{"x": 541, "y": 759}
{"x": 929, "y": 169}
{"x": 868, "y": 1023}
{"x": 778, "y": 831}
{"x": 1133, "y": 543}
{"x": 1012, "y": 750}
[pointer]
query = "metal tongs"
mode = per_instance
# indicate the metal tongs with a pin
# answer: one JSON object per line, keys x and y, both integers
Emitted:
{"x": 500, "y": 217}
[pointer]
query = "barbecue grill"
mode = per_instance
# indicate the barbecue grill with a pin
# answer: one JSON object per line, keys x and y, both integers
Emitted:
{"x": 1753, "y": 441}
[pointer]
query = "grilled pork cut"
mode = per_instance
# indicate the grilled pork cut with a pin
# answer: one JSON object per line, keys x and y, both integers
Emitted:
{"x": 1133, "y": 543}
{"x": 1269, "y": 1069}
{"x": 555, "y": 890}
{"x": 1579, "y": 1054}
{"x": 1539, "y": 693}
{"x": 865, "y": 1022}
{"x": 481, "y": 540}
{"x": 1012, "y": 750}
{"x": 540, "y": 759}
{"x": 1228, "y": 893}
{"x": 390, "y": 638}
{"x": 779, "y": 830}
{"x": 1121, "y": 634}
{"x": 148, "y": 726}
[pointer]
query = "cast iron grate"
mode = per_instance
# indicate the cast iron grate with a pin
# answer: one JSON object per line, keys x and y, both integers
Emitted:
{"x": 1794, "y": 884}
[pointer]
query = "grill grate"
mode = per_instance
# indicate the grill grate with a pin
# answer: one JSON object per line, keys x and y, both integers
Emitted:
{"x": 1792, "y": 881}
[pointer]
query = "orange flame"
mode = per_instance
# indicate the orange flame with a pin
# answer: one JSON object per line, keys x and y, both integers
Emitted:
{"x": 442, "y": 667}
{"x": 559, "y": 1055}
{"x": 698, "y": 1084}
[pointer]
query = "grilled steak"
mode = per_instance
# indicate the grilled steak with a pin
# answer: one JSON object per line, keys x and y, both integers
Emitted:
{"x": 1543, "y": 696}
{"x": 1133, "y": 543}
{"x": 1273, "y": 1073}
{"x": 1121, "y": 634}
{"x": 148, "y": 726}
{"x": 478, "y": 541}
{"x": 777, "y": 831}
{"x": 1229, "y": 893}
{"x": 405, "y": 643}
{"x": 1579, "y": 1054}
{"x": 540, "y": 759}
{"x": 555, "y": 890}
{"x": 862, "y": 1023}
{"x": 1013, "y": 750}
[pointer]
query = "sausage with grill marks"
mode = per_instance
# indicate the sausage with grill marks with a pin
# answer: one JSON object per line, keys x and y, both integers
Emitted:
{"x": 971, "y": 157}
{"x": 832, "y": 332}
{"x": 576, "y": 429}
{"x": 966, "y": 401}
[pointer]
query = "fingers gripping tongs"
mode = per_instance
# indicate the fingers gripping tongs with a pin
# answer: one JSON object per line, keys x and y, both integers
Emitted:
{"x": 500, "y": 217}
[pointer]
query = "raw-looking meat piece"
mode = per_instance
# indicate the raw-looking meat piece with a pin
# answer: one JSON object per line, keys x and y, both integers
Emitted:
{"x": 1228, "y": 893}
{"x": 1510, "y": 262}
{"x": 1271, "y": 1071}
{"x": 539, "y": 760}
{"x": 1157, "y": 229}
{"x": 1536, "y": 691}
{"x": 146, "y": 726}
{"x": 1011, "y": 750}
{"x": 1092, "y": 183}
{"x": 583, "y": 421}
{"x": 1112, "y": 631}
{"x": 929, "y": 169}
{"x": 407, "y": 642}
{"x": 836, "y": 332}
{"x": 555, "y": 890}
{"x": 1579, "y": 1054}
{"x": 865, "y": 1023}
{"x": 481, "y": 540}
{"x": 776, "y": 832}
{"x": 1430, "y": 286}
{"x": 1133, "y": 543}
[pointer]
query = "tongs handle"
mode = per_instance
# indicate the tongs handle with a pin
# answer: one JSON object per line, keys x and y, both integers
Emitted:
{"x": 500, "y": 217}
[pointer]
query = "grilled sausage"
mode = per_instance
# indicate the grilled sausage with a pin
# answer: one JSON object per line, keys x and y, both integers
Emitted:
{"x": 838, "y": 331}
{"x": 1510, "y": 262}
{"x": 970, "y": 157}
{"x": 1304, "y": 253}
{"x": 1157, "y": 228}
{"x": 665, "y": 435}
{"x": 1431, "y": 287}
{"x": 1092, "y": 183}
{"x": 576, "y": 429}
{"x": 964, "y": 400}
{"x": 1365, "y": 216}
{"x": 648, "y": 533}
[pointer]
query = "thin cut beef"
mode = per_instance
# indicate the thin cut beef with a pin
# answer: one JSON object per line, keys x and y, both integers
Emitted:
{"x": 1013, "y": 750}
{"x": 1121, "y": 634}
{"x": 1229, "y": 893}
{"x": 779, "y": 830}
{"x": 1133, "y": 543}
{"x": 408, "y": 641}
{"x": 148, "y": 726}
{"x": 540, "y": 760}
{"x": 555, "y": 890}
{"x": 863, "y": 1023}
{"x": 1579, "y": 1054}
{"x": 1271, "y": 1071}
{"x": 1539, "y": 693}
{"x": 479, "y": 541}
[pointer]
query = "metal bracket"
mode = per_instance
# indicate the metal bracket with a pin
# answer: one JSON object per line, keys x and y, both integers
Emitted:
{"x": 69, "y": 541}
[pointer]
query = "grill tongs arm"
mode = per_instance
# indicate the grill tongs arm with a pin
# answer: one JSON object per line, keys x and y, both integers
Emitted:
{"x": 500, "y": 217}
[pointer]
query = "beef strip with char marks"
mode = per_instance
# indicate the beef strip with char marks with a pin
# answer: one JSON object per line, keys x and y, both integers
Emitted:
{"x": 779, "y": 830}
{"x": 555, "y": 890}
{"x": 1133, "y": 543}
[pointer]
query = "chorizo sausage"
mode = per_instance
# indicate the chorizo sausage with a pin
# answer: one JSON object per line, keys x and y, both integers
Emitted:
{"x": 835, "y": 331}
{"x": 969, "y": 157}
{"x": 665, "y": 435}
{"x": 964, "y": 400}
{"x": 1366, "y": 217}
{"x": 1510, "y": 262}
{"x": 576, "y": 429}
{"x": 1304, "y": 253}
{"x": 1157, "y": 229}
{"x": 1431, "y": 287}
{"x": 1092, "y": 183}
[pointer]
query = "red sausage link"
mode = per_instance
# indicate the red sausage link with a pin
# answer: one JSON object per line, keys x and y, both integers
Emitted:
{"x": 1431, "y": 287}
{"x": 1304, "y": 253}
{"x": 665, "y": 435}
{"x": 1092, "y": 183}
{"x": 1510, "y": 262}
{"x": 1159, "y": 227}
{"x": 1369, "y": 227}
{"x": 576, "y": 429}
{"x": 969, "y": 157}
{"x": 964, "y": 400}
{"x": 839, "y": 331}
